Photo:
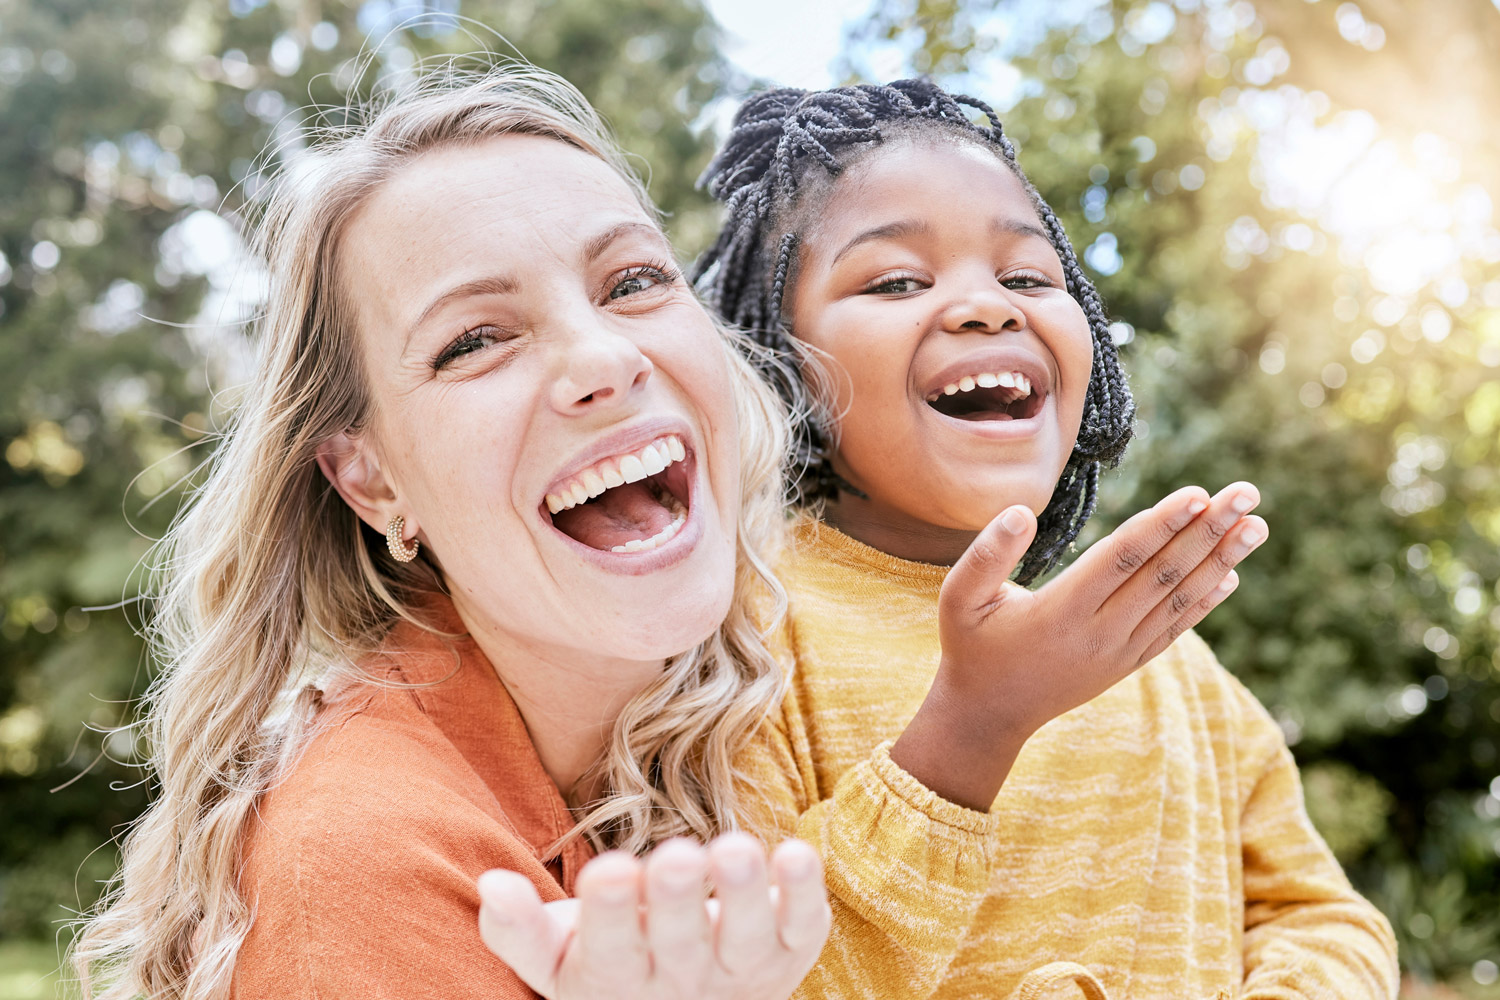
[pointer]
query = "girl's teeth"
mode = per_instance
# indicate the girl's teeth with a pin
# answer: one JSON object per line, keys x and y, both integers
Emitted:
{"x": 987, "y": 380}
{"x": 593, "y": 483}
{"x": 610, "y": 473}
{"x": 652, "y": 461}
{"x": 675, "y": 451}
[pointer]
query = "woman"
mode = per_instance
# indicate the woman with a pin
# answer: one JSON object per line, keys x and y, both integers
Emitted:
{"x": 427, "y": 616}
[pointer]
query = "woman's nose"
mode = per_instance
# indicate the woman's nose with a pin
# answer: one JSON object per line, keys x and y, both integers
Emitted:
{"x": 600, "y": 368}
{"x": 982, "y": 306}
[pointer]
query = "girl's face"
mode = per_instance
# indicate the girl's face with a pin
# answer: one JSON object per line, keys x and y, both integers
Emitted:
{"x": 552, "y": 407}
{"x": 960, "y": 361}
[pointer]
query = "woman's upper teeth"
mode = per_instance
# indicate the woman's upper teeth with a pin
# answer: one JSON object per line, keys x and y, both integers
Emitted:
{"x": 617, "y": 471}
{"x": 987, "y": 380}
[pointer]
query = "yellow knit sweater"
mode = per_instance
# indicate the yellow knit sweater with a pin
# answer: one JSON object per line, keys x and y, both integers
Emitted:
{"x": 1151, "y": 844}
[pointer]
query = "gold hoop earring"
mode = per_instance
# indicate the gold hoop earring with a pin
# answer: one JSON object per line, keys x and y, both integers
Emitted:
{"x": 399, "y": 551}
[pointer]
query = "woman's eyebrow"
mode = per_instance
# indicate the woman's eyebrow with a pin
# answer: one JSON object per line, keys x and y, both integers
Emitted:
{"x": 489, "y": 285}
{"x": 595, "y": 246}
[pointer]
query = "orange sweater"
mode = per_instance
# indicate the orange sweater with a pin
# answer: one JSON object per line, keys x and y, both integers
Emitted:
{"x": 362, "y": 864}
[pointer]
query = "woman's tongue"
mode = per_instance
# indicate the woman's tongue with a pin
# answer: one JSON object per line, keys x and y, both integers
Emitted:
{"x": 615, "y": 517}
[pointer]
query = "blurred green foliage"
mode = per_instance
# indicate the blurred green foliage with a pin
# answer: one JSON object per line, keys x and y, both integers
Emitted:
{"x": 125, "y": 127}
{"x": 1265, "y": 344}
{"x": 1326, "y": 326}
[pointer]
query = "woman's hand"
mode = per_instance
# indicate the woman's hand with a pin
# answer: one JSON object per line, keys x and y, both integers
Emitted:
{"x": 1014, "y": 659}
{"x": 646, "y": 928}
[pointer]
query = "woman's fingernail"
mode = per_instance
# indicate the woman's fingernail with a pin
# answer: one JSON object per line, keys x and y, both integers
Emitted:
{"x": 735, "y": 870}
{"x": 1197, "y": 507}
{"x": 1242, "y": 503}
{"x": 1252, "y": 536}
{"x": 799, "y": 866}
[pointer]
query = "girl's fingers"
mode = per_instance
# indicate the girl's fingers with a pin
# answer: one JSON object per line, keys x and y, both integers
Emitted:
{"x": 515, "y": 925}
{"x": 677, "y": 923}
{"x": 1194, "y": 615}
{"x": 1113, "y": 561}
{"x": 608, "y": 951}
{"x": 977, "y": 583}
{"x": 1243, "y": 538}
{"x": 746, "y": 931}
{"x": 802, "y": 913}
{"x": 1170, "y": 566}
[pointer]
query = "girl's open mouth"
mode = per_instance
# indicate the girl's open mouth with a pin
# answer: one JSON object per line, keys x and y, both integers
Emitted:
{"x": 1005, "y": 395}
{"x": 634, "y": 502}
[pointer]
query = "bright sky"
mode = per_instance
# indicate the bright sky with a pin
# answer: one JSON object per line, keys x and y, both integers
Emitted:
{"x": 789, "y": 42}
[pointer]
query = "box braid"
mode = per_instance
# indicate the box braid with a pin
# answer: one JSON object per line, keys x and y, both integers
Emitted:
{"x": 776, "y": 138}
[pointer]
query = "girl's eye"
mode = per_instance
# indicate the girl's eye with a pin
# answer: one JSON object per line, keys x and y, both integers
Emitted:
{"x": 640, "y": 279}
{"x": 468, "y": 342}
{"x": 895, "y": 286}
{"x": 1025, "y": 280}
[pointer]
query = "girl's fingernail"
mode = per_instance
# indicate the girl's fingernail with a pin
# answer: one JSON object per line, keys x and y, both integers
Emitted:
{"x": 1242, "y": 503}
{"x": 1013, "y": 521}
{"x": 1252, "y": 536}
{"x": 1197, "y": 507}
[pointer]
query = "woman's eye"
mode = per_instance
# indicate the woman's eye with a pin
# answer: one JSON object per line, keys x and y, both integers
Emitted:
{"x": 468, "y": 342}
{"x": 639, "y": 279}
{"x": 895, "y": 286}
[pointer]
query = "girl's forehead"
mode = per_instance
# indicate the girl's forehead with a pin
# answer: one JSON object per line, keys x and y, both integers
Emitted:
{"x": 909, "y": 177}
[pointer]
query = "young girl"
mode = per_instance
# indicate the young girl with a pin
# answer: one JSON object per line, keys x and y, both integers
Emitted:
{"x": 1150, "y": 842}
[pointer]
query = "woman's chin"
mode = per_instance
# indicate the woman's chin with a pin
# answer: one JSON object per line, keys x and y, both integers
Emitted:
{"x": 676, "y": 621}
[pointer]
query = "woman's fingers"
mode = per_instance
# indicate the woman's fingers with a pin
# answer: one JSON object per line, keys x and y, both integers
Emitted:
{"x": 1114, "y": 561}
{"x": 1161, "y": 574}
{"x": 677, "y": 923}
{"x": 515, "y": 925}
{"x": 608, "y": 954}
{"x": 802, "y": 913}
{"x": 746, "y": 931}
{"x": 1242, "y": 538}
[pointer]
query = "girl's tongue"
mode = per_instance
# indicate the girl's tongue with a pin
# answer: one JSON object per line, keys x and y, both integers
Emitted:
{"x": 633, "y": 512}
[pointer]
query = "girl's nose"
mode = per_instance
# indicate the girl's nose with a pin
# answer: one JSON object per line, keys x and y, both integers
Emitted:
{"x": 600, "y": 369}
{"x": 983, "y": 307}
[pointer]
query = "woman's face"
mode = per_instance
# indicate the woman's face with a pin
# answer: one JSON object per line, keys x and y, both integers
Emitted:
{"x": 551, "y": 405}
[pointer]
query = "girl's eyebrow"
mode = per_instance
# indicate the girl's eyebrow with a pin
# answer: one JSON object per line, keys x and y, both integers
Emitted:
{"x": 889, "y": 231}
{"x": 920, "y": 227}
{"x": 1018, "y": 227}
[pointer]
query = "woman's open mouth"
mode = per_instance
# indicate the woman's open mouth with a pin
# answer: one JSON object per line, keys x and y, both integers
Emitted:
{"x": 633, "y": 502}
{"x": 1004, "y": 395}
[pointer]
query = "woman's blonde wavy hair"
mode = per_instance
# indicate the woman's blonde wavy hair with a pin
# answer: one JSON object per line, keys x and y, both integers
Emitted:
{"x": 269, "y": 589}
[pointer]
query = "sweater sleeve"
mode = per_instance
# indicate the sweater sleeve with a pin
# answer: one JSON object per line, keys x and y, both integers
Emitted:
{"x": 1308, "y": 934}
{"x": 906, "y": 870}
{"x": 375, "y": 901}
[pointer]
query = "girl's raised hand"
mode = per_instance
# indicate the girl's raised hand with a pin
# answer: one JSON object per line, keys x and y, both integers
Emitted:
{"x": 1014, "y": 659}
{"x": 645, "y": 928}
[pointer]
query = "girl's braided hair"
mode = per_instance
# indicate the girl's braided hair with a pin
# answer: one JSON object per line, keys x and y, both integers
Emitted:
{"x": 777, "y": 137}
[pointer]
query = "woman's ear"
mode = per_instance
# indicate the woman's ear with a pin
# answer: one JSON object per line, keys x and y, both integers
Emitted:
{"x": 352, "y": 466}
